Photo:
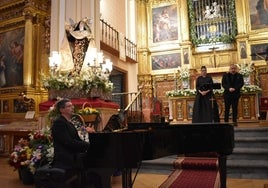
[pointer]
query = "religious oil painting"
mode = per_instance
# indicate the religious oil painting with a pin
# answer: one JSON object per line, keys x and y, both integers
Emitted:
{"x": 2, "y": 143}
{"x": 190, "y": 105}
{"x": 258, "y": 14}
{"x": 166, "y": 61}
{"x": 11, "y": 58}
{"x": 20, "y": 106}
{"x": 185, "y": 56}
{"x": 243, "y": 50}
{"x": 259, "y": 51}
{"x": 165, "y": 23}
{"x": 5, "y": 106}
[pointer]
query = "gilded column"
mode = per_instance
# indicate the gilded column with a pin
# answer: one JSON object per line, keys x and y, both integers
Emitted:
{"x": 142, "y": 39}
{"x": 28, "y": 44}
{"x": 41, "y": 50}
{"x": 184, "y": 20}
{"x": 243, "y": 21}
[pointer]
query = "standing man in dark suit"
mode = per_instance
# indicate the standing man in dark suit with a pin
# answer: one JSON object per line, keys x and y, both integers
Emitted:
{"x": 67, "y": 143}
{"x": 232, "y": 82}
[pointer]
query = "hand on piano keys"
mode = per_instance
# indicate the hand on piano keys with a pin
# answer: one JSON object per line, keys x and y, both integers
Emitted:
{"x": 90, "y": 129}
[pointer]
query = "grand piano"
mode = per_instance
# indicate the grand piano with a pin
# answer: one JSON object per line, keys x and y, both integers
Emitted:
{"x": 125, "y": 150}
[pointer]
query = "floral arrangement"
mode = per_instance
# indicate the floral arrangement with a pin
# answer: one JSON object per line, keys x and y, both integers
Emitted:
{"x": 245, "y": 69}
{"x": 21, "y": 155}
{"x": 251, "y": 89}
{"x": 86, "y": 81}
{"x": 42, "y": 148}
{"x": 33, "y": 153}
{"x": 87, "y": 111}
{"x": 181, "y": 93}
{"x": 218, "y": 92}
{"x": 184, "y": 73}
{"x": 53, "y": 114}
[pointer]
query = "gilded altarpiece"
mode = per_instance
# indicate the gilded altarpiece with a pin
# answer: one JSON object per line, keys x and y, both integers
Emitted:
{"x": 217, "y": 53}
{"x": 24, "y": 44}
{"x": 181, "y": 108}
{"x": 24, "y": 39}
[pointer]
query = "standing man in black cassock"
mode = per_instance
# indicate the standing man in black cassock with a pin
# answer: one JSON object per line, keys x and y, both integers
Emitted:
{"x": 203, "y": 110}
{"x": 232, "y": 82}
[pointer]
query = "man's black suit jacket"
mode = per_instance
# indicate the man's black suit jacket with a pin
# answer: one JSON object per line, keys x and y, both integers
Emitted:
{"x": 232, "y": 81}
{"x": 67, "y": 144}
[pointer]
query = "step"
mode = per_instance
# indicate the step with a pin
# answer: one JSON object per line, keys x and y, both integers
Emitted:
{"x": 251, "y": 132}
{"x": 247, "y": 169}
{"x": 247, "y": 174}
{"x": 243, "y": 163}
{"x": 252, "y": 142}
{"x": 249, "y": 153}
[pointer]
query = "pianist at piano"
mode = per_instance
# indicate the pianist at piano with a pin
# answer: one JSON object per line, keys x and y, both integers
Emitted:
{"x": 67, "y": 143}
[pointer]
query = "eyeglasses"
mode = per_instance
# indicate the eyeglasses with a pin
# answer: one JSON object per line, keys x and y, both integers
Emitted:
{"x": 69, "y": 105}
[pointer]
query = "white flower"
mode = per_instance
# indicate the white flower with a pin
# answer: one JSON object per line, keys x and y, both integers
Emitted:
{"x": 85, "y": 81}
{"x": 184, "y": 72}
{"x": 192, "y": 92}
{"x": 181, "y": 93}
{"x": 251, "y": 89}
{"x": 245, "y": 69}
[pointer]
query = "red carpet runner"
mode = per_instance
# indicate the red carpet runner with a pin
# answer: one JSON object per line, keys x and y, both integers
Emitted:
{"x": 194, "y": 172}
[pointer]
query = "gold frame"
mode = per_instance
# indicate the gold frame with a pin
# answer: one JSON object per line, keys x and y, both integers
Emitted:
{"x": 156, "y": 8}
{"x": 243, "y": 50}
{"x": 190, "y": 106}
{"x": 3, "y": 103}
{"x": 168, "y": 55}
{"x": 252, "y": 14}
{"x": 261, "y": 48}
{"x": 31, "y": 21}
{"x": 13, "y": 49}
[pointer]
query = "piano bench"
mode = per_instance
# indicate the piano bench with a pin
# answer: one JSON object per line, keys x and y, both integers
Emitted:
{"x": 50, "y": 177}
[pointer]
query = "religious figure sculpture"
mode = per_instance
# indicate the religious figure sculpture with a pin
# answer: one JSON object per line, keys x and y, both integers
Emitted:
{"x": 77, "y": 41}
{"x": 212, "y": 12}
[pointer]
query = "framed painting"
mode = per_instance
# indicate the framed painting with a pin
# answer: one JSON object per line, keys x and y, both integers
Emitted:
{"x": 259, "y": 51}
{"x": 164, "y": 23}
{"x": 19, "y": 106}
{"x": 2, "y": 143}
{"x": 11, "y": 58}
{"x": 166, "y": 61}
{"x": 185, "y": 56}
{"x": 190, "y": 105}
{"x": 243, "y": 50}
{"x": 5, "y": 106}
{"x": 258, "y": 10}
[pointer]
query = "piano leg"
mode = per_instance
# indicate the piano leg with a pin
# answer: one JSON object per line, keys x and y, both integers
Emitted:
{"x": 126, "y": 178}
{"x": 223, "y": 171}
